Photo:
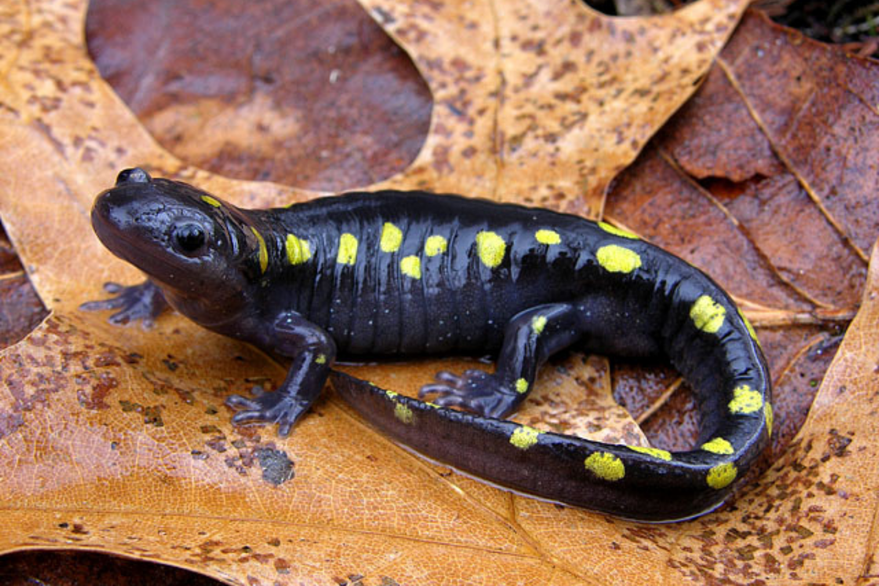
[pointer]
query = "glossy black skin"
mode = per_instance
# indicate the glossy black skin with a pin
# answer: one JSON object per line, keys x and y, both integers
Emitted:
{"x": 319, "y": 308}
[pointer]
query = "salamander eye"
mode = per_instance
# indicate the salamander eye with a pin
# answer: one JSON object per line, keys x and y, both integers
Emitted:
{"x": 189, "y": 238}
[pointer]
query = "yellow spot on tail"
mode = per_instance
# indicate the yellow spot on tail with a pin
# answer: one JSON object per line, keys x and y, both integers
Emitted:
{"x": 547, "y": 237}
{"x": 538, "y": 322}
{"x": 435, "y": 245}
{"x": 391, "y": 239}
{"x": 411, "y": 266}
{"x": 707, "y": 314}
{"x": 263, "y": 251}
{"x": 521, "y": 385}
{"x": 211, "y": 201}
{"x": 491, "y": 248}
{"x": 750, "y": 328}
{"x": 722, "y": 475}
{"x": 298, "y": 250}
{"x": 524, "y": 437}
{"x": 745, "y": 400}
{"x": 617, "y": 259}
{"x": 617, "y": 231}
{"x": 767, "y": 412}
{"x": 718, "y": 445}
{"x": 606, "y": 466}
{"x": 321, "y": 359}
{"x": 403, "y": 413}
{"x": 655, "y": 452}
{"x": 347, "y": 249}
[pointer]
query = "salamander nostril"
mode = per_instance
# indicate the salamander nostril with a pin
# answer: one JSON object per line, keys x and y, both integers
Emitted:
{"x": 135, "y": 175}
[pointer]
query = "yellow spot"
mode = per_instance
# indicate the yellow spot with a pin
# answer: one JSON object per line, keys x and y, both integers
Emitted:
{"x": 435, "y": 245}
{"x": 403, "y": 413}
{"x": 390, "y": 394}
{"x": 606, "y": 466}
{"x": 616, "y": 231}
{"x": 745, "y": 400}
{"x": 718, "y": 446}
{"x": 767, "y": 412}
{"x": 524, "y": 437}
{"x": 547, "y": 237}
{"x": 707, "y": 314}
{"x": 617, "y": 259}
{"x": 263, "y": 251}
{"x": 298, "y": 250}
{"x": 521, "y": 385}
{"x": 491, "y": 248}
{"x": 411, "y": 266}
{"x": 434, "y": 405}
{"x": 211, "y": 201}
{"x": 538, "y": 322}
{"x": 655, "y": 452}
{"x": 392, "y": 237}
{"x": 722, "y": 475}
{"x": 347, "y": 249}
{"x": 321, "y": 359}
{"x": 750, "y": 328}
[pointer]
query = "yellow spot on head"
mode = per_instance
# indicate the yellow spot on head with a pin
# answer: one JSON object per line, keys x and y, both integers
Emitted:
{"x": 606, "y": 466}
{"x": 211, "y": 201}
{"x": 538, "y": 322}
{"x": 391, "y": 238}
{"x": 616, "y": 231}
{"x": 722, "y": 475}
{"x": 347, "y": 249}
{"x": 263, "y": 251}
{"x": 298, "y": 250}
{"x": 750, "y": 328}
{"x": 655, "y": 452}
{"x": 521, "y": 385}
{"x": 767, "y": 412}
{"x": 617, "y": 259}
{"x": 321, "y": 359}
{"x": 707, "y": 314}
{"x": 718, "y": 445}
{"x": 524, "y": 437}
{"x": 435, "y": 245}
{"x": 547, "y": 237}
{"x": 390, "y": 394}
{"x": 745, "y": 400}
{"x": 403, "y": 413}
{"x": 491, "y": 248}
{"x": 411, "y": 266}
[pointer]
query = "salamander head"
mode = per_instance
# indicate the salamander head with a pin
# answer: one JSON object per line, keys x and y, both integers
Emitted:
{"x": 191, "y": 244}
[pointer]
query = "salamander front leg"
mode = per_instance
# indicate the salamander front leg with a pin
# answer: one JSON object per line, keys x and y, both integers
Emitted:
{"x": 313, "y": 351}
{"x": 530, "y": 338}
{"x": 144, "y": 302}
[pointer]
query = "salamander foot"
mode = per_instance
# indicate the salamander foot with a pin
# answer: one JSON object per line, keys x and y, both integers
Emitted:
{"x": 272, "y": 407}
{"x": 144, "y": 302}
{"x": 475, "y": 390}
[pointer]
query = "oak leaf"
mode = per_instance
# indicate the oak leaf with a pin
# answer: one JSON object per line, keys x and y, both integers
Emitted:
{"x": 117, "y": 439}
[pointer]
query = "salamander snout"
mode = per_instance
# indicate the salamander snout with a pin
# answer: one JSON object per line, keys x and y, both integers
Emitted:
{"x": 135, "y": 175}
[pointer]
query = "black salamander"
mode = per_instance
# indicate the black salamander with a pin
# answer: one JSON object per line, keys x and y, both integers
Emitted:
{"x": 410, "y": 273}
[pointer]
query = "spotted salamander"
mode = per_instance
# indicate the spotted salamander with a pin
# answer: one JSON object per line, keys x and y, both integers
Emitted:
{"x": 409, "y": 273}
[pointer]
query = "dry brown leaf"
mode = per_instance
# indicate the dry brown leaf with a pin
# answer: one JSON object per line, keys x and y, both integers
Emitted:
{"x": 117, "y": 440}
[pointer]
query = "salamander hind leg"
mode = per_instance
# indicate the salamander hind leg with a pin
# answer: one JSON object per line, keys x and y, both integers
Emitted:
{"x": 530, "y": 338}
